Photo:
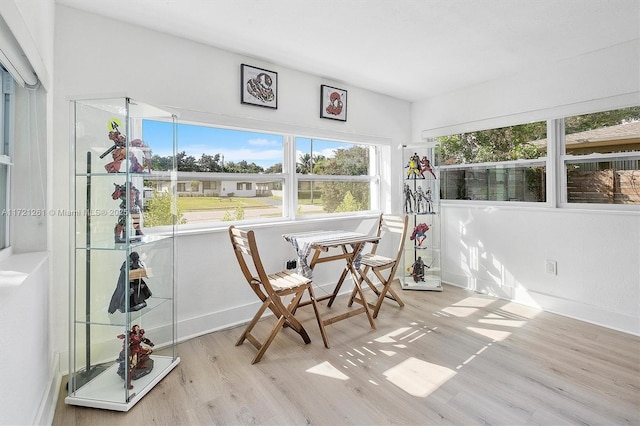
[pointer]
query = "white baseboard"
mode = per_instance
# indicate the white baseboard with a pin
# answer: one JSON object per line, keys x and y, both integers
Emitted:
{"x": 554, "y": 304}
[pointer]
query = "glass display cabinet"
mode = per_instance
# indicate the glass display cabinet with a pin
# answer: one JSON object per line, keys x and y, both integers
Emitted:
{"x": 421, "y": 197}
{"x": 122, "y": 333}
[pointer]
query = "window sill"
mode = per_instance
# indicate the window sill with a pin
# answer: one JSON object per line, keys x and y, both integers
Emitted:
{"x": 18, "y": 267}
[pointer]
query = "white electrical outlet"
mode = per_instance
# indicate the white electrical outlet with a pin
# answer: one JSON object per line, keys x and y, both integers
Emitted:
{"x": 552, "y": 267}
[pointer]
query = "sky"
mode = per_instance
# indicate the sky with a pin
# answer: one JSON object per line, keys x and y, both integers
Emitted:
{"x": 264, "y": 149}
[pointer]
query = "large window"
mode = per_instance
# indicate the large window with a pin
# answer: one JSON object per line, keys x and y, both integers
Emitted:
{"x": 505, "y": 164}
{"x": 602, "y": 157}
{"x": 229, "y": 174}
{"x": 599, "y": 153}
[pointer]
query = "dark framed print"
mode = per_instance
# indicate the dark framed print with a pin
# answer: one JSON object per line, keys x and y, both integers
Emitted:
{"x": 258, "y": 86}
{"x": 333, "y": 103}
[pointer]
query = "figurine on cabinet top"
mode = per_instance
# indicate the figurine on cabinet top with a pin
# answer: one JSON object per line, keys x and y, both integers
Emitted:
{"x": 425, "y": 166}
{"x": 414, "y": 166}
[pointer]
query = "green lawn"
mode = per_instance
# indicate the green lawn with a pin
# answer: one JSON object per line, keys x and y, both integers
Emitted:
{"x": 219, "y": 203}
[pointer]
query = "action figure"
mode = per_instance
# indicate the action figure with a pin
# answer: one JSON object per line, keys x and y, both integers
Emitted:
{"x": 417, "y": 270}
{"x": 119, "y": 150}
{"x": 140, "y": 362}
{"x": 419, "y": 234}
{"x": 139, "y": 292}
{"x": 429, "y": 200}
{"x": 135, "y": 209}
{"x": 408, "y": 197}
{"x": 425, "y": 166}
{"x": 414, "y": 166}
{"x": 421, "y": 200}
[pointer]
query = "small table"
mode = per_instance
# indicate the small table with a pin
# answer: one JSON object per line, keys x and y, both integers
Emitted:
{"x": 351, "y": 245}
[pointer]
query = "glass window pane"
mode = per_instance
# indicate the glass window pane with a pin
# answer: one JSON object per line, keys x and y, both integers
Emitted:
{"x": 494, "y": 183}
{"x": 323, "y": 157}
{"x": 217, "y": 172}
{"x": 319, "y": 197}
{"x": 604, "y": 182}
{"x": 603, "y": 132}
{"x": 524, "y": 141}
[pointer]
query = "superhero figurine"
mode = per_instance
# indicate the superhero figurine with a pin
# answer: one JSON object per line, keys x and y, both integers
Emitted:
{"x": 140, "y": 362}
{"x": 413, "y": 166}
{"x": 419, "y": 234}
{"x": 119, "y": 150}
{"x": 135, "y": 209}
{"x": 425, "y": 166}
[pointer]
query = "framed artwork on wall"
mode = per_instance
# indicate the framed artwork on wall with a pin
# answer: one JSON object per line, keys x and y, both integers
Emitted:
{"x": 333, "y": 103}
{"x": 258, "y": 86}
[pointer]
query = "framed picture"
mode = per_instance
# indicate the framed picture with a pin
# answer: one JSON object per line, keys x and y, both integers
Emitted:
{"x": 258, "y": 86}
{"x": 333, "y": 103}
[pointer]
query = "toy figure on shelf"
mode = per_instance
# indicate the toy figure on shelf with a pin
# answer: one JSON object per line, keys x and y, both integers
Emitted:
{"x": 138, "y": 290}
{"x": 408, "y": 199}
{"x": 139, "y": 362}
{"x": 425, "y": 166}
{"x": 413, "y": 166}
{"x": 421, "y": 201}
{"x": 118, "y": 150}
{"x": 419, "y": 234}
{"x": 135, "y": 210}
{"x": 417, "y": 270}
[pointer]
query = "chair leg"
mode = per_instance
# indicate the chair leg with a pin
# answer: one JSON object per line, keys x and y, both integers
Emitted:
{"x": 254, "y": 321}
{"x": 267, "y": 342}
{"x": 312, "y": 296}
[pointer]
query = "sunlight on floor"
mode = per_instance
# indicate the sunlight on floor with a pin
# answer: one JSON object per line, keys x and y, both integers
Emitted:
{"x": 328, "y": 370}
{"x": 418, "y": 378}
{"x": 492, "y": 334}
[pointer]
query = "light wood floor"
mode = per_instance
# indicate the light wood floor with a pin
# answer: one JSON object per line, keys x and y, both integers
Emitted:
{"x": 454, "y": 357}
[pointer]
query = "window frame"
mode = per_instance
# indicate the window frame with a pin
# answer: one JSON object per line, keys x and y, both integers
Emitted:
{"x": 7, "y": 117}
{"x": 564, "y": 160}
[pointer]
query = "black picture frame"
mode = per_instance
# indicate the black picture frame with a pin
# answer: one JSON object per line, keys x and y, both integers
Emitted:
{"x": 333, "y": 103}
{"x": 258, "y": 87}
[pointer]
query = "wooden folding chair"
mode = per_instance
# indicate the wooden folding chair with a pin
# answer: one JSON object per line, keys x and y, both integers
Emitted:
{"x": 384, "y": 268}
{"x": 271, "y": 289}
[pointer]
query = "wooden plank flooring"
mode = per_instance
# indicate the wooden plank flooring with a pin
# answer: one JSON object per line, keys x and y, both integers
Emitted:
{"x": 453, "y": 357}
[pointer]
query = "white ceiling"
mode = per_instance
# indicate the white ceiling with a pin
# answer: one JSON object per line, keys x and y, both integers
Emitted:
{"x": 408, "y": 49}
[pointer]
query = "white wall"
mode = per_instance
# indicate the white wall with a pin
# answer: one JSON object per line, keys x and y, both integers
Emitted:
{"x": 28, "y": 364}
{"x": 502, "y": 250}
{"x": 97, "y": 57}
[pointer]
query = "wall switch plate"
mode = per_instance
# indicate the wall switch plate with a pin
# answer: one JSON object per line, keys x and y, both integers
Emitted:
{"x": 551, "y": 267}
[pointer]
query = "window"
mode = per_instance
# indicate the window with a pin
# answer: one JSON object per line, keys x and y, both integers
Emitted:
{"x": 602, "y": 157}
{"x": 6, "y": 136}
{"x": 334, "y": 177}
{"x": 504, "y": 164}
{"x": 229, "y": 174}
